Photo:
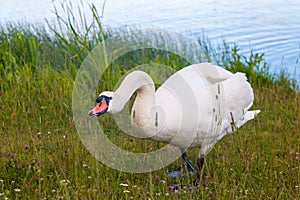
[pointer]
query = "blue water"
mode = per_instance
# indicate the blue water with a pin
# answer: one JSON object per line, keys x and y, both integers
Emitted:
{"x": 270, "y": 26}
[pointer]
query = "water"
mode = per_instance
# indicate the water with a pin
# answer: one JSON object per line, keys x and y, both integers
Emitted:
{"x": 270, "y": 26}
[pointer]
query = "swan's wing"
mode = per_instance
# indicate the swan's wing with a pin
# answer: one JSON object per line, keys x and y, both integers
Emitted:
{"x": 238, "y": 93}
{"x": 201, "y": 102}
{"x": 235, "y": 97}
{"x": 212, "y": 73}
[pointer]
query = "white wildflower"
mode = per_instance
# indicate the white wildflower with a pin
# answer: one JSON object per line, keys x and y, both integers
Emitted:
{"x": 64, "y": 181}
{"x": 124, "y": 184}
{"x": 17, "y": 190}
{"x": 126, "y": 191}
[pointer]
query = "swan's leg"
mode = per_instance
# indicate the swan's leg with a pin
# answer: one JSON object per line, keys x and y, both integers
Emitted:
{"x": 177, "y": 172}
{"x": 187, "y": 161}
{"x": 200, "y": 163}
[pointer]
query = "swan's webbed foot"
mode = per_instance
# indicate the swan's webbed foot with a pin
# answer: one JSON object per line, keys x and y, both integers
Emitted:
{"x": 175, "y": 172}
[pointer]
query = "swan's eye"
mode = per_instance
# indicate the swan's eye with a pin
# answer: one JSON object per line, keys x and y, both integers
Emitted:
{"x": 98, "y": 100}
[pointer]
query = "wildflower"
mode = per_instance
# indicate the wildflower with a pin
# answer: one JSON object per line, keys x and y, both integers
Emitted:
{"x": 12, "y": 154}
{"x": 36, "y": 177}
{"x": 209, "y": 193}
{"x": 64, "y": 182}
{"x": 39, "y": 133}
{"x": 126, "y": 191}
{"x": 17, "y": 190}
{"x": 124, "y": 184}
{"x": 26, "y": 146}
{"x": 19, "y": 167}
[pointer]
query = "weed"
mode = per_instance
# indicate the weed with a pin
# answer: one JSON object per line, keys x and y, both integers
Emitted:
{"x": 41, "y": 155}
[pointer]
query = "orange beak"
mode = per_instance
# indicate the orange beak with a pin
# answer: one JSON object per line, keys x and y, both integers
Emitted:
{"x": 99, "y": 109}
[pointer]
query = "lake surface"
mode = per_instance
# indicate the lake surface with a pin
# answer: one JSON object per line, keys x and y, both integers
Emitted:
{"x": 270, "y": 26}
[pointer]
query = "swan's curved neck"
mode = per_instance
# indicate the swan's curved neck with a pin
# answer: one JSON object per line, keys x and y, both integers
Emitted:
{"x": 137, "y": 80}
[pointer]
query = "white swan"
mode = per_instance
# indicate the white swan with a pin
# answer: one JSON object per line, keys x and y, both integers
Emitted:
{"x": 195, "y": 107}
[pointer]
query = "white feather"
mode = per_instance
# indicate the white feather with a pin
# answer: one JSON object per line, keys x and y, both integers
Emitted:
{"x": 195, "y": 107}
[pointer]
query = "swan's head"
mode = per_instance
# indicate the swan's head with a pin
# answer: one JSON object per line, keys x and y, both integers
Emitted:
{"x": 104, "y": 104}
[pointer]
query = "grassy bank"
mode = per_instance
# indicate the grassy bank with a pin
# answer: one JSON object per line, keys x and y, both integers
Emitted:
{"x": 41, "y": 155}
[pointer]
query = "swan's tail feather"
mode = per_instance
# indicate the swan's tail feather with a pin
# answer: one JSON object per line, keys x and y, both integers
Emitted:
{"x": 248, "y": 116}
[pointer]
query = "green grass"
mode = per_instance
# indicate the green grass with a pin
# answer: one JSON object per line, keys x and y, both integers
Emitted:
{"x": 41, "y": 154}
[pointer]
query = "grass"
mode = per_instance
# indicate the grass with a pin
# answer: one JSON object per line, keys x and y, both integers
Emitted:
{"x": 42, "y": 156}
